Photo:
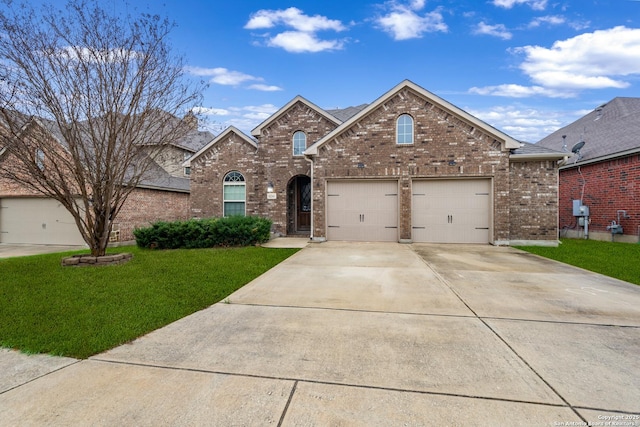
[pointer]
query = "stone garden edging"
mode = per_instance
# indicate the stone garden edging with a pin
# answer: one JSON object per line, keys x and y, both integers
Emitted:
{"x": 88, "y": 260}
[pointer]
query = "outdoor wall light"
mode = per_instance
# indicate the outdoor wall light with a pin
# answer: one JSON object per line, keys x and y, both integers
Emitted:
{"x": 270, "y": 187}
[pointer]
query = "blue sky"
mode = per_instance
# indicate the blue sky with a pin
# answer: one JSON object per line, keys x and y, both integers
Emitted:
{"x": 526, "y": 67}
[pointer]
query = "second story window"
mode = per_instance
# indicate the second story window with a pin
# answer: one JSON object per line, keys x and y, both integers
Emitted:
{"x": 299, "y": 143}
{"x": 404, "y": 129}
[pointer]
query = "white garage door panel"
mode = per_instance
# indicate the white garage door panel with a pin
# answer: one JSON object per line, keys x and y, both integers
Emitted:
{"x": 362, "y": 210}
{"x": 451, "y": 211}
{"x": 37, "y": 221}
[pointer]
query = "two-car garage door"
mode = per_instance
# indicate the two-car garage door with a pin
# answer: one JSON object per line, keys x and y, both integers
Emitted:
{"x": 37, "y": 221}
{"x": 442, "y": 211}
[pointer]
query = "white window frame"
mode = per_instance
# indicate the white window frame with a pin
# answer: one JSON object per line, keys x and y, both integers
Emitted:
{"x": 297, "y": 151}
{"x": 403, "y": 127}
{"x": 233, "y": 178}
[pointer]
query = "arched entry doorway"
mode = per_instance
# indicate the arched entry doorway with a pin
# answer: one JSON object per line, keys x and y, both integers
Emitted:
{"x": 299, "y": 205}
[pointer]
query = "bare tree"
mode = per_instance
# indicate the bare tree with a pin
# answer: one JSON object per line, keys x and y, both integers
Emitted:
{"x": 84, "y": 94}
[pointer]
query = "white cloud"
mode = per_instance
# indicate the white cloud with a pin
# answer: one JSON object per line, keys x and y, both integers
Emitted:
{"x": 303, "y": 36}
{"x": 244, "y": 118}
{"x": 226, "y": 77}
{"x": 222, "y": 76}
{"x": 292, "y": 17}
{"x": 524, "y": 123}
{"x": 206, "y": 111}
{"x": 265, "y": 88}
{"x": 589, "y": 61}
{"x": 548, "y": 20}
{"x": 519, "y": 91}
{"x": 534, "y": 4}
{"x": 597, "y": 60}
{"x": 498, "y": 30}
{"x": 404, "y": 21}
{"x": 299, "y": 42}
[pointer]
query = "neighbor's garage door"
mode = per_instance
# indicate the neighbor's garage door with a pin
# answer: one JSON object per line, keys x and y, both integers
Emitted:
{"x": 362, "y": 211}
{"x": 451, "y": 211}
{"x": 37, "y": 221}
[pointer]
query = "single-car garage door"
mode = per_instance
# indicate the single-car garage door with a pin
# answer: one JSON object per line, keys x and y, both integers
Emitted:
{"x": 362, "y": 211}
{"x": 451, "y": 211}
{"x": 37, "y": 221}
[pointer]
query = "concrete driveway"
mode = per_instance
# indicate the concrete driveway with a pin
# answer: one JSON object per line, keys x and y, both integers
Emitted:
{"x": 365, "y": 334}
{"x": 8, "y": 250}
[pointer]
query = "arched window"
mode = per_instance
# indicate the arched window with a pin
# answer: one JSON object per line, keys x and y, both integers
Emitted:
{"x": 234, "y": 194}
{"x": 299, "y": 143}
{"x": 404, "y": 129}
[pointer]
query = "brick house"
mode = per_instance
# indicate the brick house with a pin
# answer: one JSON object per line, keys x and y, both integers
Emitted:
{"x": 26, "y": 217}
{"x": 409, "y": 167}
{"x": 604, "y": 174}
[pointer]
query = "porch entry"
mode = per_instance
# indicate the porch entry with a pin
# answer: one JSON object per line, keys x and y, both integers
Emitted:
{"x": 299, "y": 205}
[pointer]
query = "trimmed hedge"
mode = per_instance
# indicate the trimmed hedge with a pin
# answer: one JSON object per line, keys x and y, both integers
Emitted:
{"x": 204, "y": 233}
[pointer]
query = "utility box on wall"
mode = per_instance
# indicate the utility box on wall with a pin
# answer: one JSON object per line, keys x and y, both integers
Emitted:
{"x": 579, "y": 209}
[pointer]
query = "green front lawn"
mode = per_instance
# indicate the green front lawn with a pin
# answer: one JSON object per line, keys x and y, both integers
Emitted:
{"x": 619, "y": 260}
{"x": 81, "y": 311}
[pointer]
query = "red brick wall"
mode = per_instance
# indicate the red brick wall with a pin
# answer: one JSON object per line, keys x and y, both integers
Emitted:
{"x": 232, "y": 153}
{"x": 608, "y": 187}
{"x": 534, "y": 200}
{"x": 145, "y": 206}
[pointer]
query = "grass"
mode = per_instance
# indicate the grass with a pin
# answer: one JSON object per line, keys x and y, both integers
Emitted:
{"x": 618, "y": 260}
{"x": 78, "y": 312}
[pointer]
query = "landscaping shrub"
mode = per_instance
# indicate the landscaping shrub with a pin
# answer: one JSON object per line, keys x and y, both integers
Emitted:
{"x": 204, "y": 233}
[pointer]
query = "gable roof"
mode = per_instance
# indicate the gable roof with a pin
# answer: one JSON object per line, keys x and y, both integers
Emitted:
{"x": 610, "y": 130}
{"x": 528, "y": 151}
{"x": 257, "y": 131}
{"x": 508, "y": 141}
{"x": 156, "y": 178}
{"x": 222, "y": 136}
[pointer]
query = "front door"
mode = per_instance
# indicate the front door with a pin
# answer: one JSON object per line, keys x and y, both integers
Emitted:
{"x": 299, "y": 205}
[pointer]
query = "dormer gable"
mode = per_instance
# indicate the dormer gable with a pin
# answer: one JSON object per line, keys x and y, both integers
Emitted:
{"x": 228, "y": 132}
{"x": 257, "y": 132}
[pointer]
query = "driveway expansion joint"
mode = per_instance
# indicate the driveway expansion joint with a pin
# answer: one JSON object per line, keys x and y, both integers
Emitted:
{"x": 513, "y": 350}
{"x": 297, "y": 381}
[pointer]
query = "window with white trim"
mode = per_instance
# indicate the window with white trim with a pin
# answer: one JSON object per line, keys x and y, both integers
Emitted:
{"x": 404, "y": 129}
{"x": 299, "y": 143}
{"x": 234, "y": 194}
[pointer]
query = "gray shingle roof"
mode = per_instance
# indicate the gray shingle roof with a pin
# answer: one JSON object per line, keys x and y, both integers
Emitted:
{"x": 344, "y": 114}
{"x": 528, "y": 148}
{"x": 195, "y": 140}
{"x": 158, "y": 178}
{"x": 611, "y": 128}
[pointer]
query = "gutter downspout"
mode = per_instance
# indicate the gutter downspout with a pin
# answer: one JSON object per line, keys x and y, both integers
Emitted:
{"x": 310, "y": 160}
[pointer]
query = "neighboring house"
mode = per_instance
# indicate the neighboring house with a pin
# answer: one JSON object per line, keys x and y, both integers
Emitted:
{"x": 28, "y": 217}
{"x": 604, "y": 174}
{"x": 409, "y": 167}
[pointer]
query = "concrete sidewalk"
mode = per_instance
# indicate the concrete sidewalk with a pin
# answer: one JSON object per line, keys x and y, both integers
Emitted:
{"x": 367, "y": 334}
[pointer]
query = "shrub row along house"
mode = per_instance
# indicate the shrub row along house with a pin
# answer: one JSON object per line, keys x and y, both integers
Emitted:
{"x": 26, "y": 217}
{"x": 409, "y": 167}
{"x": 602, "y": 172}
